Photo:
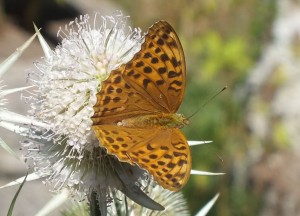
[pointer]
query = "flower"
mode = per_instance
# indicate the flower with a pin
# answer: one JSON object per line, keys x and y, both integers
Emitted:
{"x": 66, "y": 151}
{"x": 60, "y": 144}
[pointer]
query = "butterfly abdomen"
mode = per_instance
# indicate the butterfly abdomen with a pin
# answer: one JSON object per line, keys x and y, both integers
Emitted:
{"x": 171, "y": 120}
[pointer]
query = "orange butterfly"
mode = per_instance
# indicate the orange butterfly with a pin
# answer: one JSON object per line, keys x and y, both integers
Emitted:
{"x": 135, "y": 115}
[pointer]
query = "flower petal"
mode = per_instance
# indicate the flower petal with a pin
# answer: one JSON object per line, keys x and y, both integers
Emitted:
{"x": 208, "y": 206}
{"x": 14, "y": 127}
{"x": 4, "y": 66}
{"x": 45, "y": 46}
{"x": 199, "y": 172}
{"x": 192, "y": 143}
{"x": 9, "y": 116}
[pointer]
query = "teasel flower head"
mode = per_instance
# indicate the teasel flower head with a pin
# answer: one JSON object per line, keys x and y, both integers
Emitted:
{"x": 65, "y": 151}
{"x": 63, "y": 147}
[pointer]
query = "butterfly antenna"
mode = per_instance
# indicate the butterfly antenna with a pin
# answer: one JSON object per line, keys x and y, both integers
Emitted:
{"x": 210, "y": 99}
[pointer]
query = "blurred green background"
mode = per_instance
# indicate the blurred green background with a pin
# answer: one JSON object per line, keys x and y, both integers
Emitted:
{"x": 223, "y": 41}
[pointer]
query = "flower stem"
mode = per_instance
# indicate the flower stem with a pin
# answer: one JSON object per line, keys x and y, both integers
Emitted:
{"x": 94, "y": 205}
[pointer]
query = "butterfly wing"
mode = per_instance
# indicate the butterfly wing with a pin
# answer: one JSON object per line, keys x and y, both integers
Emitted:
{"x": 153, "y": 81}
{"x": 162, "y": 152}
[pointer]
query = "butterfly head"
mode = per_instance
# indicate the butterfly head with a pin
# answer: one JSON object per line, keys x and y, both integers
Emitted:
{"x": 180, "y": 120}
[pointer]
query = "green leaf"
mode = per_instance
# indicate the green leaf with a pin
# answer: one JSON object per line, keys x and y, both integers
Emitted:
{"x": 11, "y": 207}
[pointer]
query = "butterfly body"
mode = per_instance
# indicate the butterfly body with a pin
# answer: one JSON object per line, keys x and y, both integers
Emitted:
{"x": 163, "y": 120}
{"x": 135, "y": 117}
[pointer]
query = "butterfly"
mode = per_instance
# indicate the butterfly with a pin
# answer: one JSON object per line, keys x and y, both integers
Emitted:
{"x": 135, "y": 115}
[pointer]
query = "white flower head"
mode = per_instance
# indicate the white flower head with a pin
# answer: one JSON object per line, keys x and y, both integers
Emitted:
{"x": 67, "y": 81}
{"x": 62, "y": 145}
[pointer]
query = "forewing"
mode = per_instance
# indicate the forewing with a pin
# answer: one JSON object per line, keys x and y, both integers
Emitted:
{"x": 158, "y": 70}
{"x": 164, "y": 153}
{"x": 152, "y": 82}
{"x": 118, "y": 100}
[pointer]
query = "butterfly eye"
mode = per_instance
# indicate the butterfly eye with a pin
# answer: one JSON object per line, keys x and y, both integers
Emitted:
{"x": 180, "y": 126}
{"x": 186, "y": 122}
